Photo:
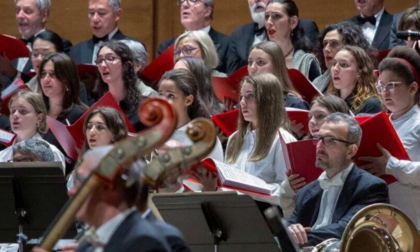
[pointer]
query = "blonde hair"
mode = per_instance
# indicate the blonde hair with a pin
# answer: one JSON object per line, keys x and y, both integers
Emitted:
{"x": 365, "y": 85}
{"x": 206, "y": 44}
{"x": 271, "y": 115}
{"x": 37, "y": 103}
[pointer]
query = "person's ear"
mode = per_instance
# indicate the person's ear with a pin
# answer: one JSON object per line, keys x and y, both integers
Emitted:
{"x": 293, "y": 22}
{"x": 414, "y": 87}
{"x": 207, "y": 12}
{"x": 40, "y": 118}
{"x": 138, "y": 67}
{"x": 352, "y": 151}
{"x": 44, "y": 16}
{"x": 189, "y": 100}
{"x": 118, "y": 14}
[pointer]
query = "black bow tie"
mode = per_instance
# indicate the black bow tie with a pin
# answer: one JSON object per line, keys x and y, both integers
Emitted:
{"x": 362, "y": 20}
{"x": 258, "y": 31}
{"x": 29, "y": 40}
{"x": 96, "y": 40}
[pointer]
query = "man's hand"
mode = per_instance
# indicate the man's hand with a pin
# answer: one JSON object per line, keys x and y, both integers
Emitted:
{"x": 296, "y": 182}
{"x": 298, "y": 233}
{"x": 208, "y": 180}
{"x": 376, "y": 165}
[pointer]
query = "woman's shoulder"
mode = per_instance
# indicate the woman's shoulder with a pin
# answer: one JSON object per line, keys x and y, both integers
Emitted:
{"x": 372, "y": 105}
{"x": 74, "y": 113}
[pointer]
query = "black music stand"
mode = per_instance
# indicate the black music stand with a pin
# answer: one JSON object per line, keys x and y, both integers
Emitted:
{"x": 279, "y": 227}
{"x": 219, "y": 221}
{"x": 31, "y": 195}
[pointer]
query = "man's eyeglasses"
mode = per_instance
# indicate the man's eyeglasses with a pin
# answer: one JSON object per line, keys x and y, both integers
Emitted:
{"x": 186, "y": 50}
{"x": 189, "y": 2}
{"x": 327, "y": 141}
{"x": 108, "y": 60}
{"x": 35, "y": 55}
{"x": 390, "y": 86}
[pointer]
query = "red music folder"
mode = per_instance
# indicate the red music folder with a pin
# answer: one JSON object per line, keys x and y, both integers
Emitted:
{"x": 84, "y": 69}
{"x": 299, "y": 116}
{"x": 303, "y": 86}
{"x": 13, "y": 48}
{"x": 229, "y": 86}
{"x": 300, "y": 158}
{"x": 382, "y": 55}
{"x": 164, "y": 62}
{"x": 7, "y": 138}
{"x": 227, "y": 122}
{"x": 11, "y": 90}
{"x": 66, "y": 140}
{"x": 378, "y": 129}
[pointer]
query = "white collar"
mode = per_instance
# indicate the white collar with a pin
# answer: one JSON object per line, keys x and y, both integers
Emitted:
{"x": 36, "y": 136}
{"x": 339, "y": 178}
{"x": 377, "y": 16}
{"x": 205, "y": 29}
{"x": 106, "y": 230}
{"x": 111, "y": 34}
{"x": 414, "y": 110}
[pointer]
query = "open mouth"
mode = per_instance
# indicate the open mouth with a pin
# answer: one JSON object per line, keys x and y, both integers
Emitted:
{"x": 271, "y": 32}
{"x": 336, "y": 78}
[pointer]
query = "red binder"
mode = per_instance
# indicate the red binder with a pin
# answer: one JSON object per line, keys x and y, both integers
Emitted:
{"x": 300, "y": 158}
{"x": 299, "y": 116}
{"x": 84, "y": 69}
{"x": 229, "y": 86}
{"x": 378, "y": 129}
{"x": 164, "y": 62}
{"x": 11, "y": 90}
{"x": 7, "y": 138}
{"x": 66, "y": 140}
{"x": 304, "y": 87}
{"x": 227, "y": 122}
{"x": 382, "y": 55}
{"x": 13, "y": 48}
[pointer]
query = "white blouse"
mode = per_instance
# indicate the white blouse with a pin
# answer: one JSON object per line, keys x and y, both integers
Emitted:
{"x": 271, "y": 169}
{"x": 405, "y": 193}
{"x": 7, "y": 154}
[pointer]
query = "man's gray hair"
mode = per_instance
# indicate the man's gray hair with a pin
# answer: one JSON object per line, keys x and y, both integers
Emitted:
{"x": 355, "y": 132}
{"x": 210, "y": 3}
{"x": 114, "y": 4}
{"x": 40, "y": 148}
{"x": 42, "y": 5}
{"x": 139, "y": 52}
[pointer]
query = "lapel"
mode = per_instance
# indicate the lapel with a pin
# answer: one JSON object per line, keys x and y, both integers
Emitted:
{"x": 87, "y": 52}
{"x": 382, "y": 33}
{"x": 214, "y": 37}
{"x": 346, "y": 195}
{"x": 117, "y": 238}
{"x": 311, "y": 203}
{"x": 118, "y": 36}
{"x": 249, "y": 39}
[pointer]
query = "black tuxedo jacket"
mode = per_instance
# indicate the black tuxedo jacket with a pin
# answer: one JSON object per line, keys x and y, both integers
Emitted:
{"x": 220, "y": 40}
{"x": 172, "y": 234}
{"x": 382, "y": 35}
{"x": 242, "y": 38}
{"x": 82, "y": 53}
{"x": 360, "y": 190}
{"x": 135, "y": 234}
{"x": 394, "y": 28}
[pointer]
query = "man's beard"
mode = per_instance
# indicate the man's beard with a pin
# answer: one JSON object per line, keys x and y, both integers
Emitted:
{"x": 258, "y": 17}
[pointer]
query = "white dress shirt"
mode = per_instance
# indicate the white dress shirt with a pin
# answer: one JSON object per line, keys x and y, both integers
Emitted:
{"x": 98, "y": 45}
{"x": 332, "y": 189}
{"x": 270, "y": 169}
{"x": 369, "y": 30}
{"x": 105, "y": 232}
{"x": 405, "y": 193}
{"x": 7, "y": 154}
{"x": 181, "y": 136}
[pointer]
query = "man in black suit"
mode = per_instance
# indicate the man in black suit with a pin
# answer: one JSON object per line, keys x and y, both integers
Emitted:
{"x": 111, "y": 210}
{"x": 197, "y": 15}
{"x": 325, "y": 206}
{"x": 375, "y": 22}
{"x": 394, "y": 41}
{"x": 103, "y": 18}
{"x": 244, "y": 37}
{"x": 31, "y": 17}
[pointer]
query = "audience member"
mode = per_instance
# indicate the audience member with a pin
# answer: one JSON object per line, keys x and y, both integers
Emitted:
{"x": 282, "y": 24}
{"x": 398, "y": 85}
{"x": 202, "y": 74}
{"x": 32, "y": 150}
{"x": 140, "y": 61}
{"x": 255, "y": 33}
{"x": 325, "y": 206}
{"x": 375, "y": 22}
{"x": 331, "y": 40}
{"x": 354, "y": 80}
{"x": 197, "y": 15}
{"x": 28, "y": 116}
{"x": 115, "y": 64}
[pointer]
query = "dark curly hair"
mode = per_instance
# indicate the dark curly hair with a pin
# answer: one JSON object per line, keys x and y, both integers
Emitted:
{"x": 352, "y": 35}
{"x": 394, "y": 63}
{"x": 129, "y": 74}
{"x": 187, "y": 84}
{"x": 299, "y": 40}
